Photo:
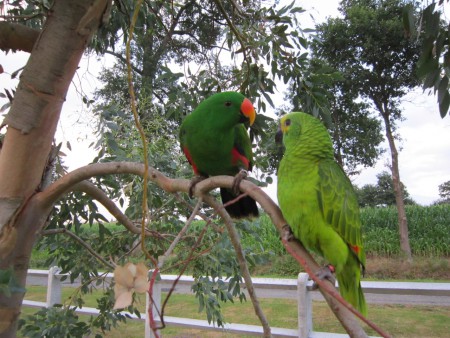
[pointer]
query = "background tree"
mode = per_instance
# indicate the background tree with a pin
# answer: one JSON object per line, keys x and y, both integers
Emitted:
{"x": 382, "y": 193}
{"x": 444, "y": 193}
{"x": 356, "y": 133}
{"x": 379, "y": 64}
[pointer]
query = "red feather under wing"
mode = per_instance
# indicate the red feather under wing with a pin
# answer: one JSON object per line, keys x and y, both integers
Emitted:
{"x": 191, "y": 162}
{"x": 356, "y": 249}
{"x": 237, "y": 156}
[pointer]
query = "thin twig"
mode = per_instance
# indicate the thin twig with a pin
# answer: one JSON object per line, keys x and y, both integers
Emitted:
{"x": 80, "y": 241}
{"x": 145, "y": 211}
{"x": 99, "y": 195}
{"x": 162, "y": 259}
{"x": 238, "y": 37}
{"x": 188, "y": 260}
{"x": 174, "y": 284}
{"x": 202, "y": 215}
{"x": 234, "y": 237}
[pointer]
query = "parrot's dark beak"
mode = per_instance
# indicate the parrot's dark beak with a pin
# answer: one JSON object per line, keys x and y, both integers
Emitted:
{"x": 279, "y": 136}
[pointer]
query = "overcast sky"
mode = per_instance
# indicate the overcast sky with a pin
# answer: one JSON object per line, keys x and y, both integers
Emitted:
{"x": 425, "y": 148}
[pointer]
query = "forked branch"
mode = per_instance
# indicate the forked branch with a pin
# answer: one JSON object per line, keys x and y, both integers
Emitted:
{"x": 69, "y": 182}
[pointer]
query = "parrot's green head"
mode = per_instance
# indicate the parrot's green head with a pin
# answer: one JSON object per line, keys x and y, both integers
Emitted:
{"x": 305, "y": 134}
{"x": 226, "y": 109}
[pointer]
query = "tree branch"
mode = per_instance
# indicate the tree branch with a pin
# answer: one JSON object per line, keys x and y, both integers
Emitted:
{"x": 67, "y": 183}
{"x": 234, "y": 237}
{"x": 123, "y": 60}
{"x": 162, "y": 259}
{"x": 14, "y": 36}
{"x": 99, "y": 195}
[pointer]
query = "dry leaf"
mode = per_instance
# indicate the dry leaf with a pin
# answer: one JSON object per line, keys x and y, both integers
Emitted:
{"x": 129, "y": 278}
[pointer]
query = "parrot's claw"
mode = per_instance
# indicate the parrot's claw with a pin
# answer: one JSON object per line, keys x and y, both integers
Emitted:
{"x": 194, "y": 181}
{"x": 242, "y": 175}
{"x": 288, "y": 235}
{"x": 325, "y": 273}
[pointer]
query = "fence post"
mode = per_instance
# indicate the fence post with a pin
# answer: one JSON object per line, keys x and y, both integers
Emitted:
{"x": 156, "y": 306}
{"x": 304, "y": 306}
{"x": 53, "y": 287}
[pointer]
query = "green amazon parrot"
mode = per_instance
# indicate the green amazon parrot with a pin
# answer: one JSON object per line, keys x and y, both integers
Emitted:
{"x": 215, "y": 142}
{"x": 319, "y": 203}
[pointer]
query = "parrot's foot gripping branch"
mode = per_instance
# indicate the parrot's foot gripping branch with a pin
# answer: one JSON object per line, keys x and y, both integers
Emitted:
{"x": 288, "y": 235}
{"x": 241, "y": 175}
{"x": 325, "y": 272}
{"x": 194, "y": 181}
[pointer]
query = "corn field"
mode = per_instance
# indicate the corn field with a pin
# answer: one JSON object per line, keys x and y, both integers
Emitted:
{"x": 429, "y": 232}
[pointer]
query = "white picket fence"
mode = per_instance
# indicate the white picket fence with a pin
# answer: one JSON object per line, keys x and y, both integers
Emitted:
{"x": 300, "y": 289}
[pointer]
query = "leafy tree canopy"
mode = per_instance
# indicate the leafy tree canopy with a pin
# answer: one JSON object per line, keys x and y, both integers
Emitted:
{"x": 444, "y": 193}
{"x": 380, "y": 194}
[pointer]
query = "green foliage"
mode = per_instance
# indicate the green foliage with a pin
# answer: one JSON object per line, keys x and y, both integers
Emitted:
{"x": 54, "y": 322}
{"x": 62, "y": 321}
{"x": 381, "y": 59}
{"x": 381, "y": 194}
{"x": 434, "y": 62}
{"x": 209, "y": 294}
{"x": 264, "y": 239}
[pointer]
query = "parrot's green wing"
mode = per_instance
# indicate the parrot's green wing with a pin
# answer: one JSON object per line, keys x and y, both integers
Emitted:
{"x": 339, "y": 206}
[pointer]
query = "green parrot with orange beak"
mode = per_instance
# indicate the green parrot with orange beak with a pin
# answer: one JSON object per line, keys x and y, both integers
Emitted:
{"x": 215, "y": 141}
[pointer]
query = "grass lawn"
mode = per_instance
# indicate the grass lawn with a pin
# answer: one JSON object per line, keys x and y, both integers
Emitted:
{"x": 398, "y": 320}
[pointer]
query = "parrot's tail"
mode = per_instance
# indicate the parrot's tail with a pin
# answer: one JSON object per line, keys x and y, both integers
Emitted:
{"x": 350, "y": 285}
{"x": 243, "y": 208}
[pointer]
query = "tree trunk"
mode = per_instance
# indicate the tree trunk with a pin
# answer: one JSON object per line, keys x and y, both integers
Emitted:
{"x": 32, "y": 122}
{"x": 399, "y": 198}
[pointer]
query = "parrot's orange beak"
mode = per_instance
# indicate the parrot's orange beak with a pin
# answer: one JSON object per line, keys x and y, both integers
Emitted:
{"x": 248, "y": 110}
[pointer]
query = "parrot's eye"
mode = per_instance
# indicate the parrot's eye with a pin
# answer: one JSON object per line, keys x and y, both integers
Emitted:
{"x": 228, "y": 104}
{"x": 287, "y": 123}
